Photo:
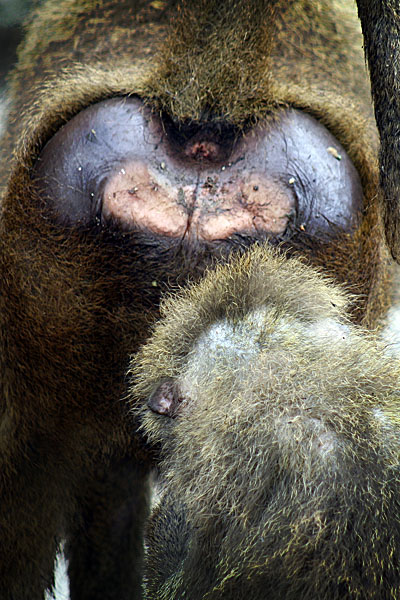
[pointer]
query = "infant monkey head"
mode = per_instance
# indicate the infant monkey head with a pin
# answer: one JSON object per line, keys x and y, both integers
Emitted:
{"x": 278, "y": 422}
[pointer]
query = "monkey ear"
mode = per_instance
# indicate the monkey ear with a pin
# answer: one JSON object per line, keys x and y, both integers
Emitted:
{"x": 166, "y": 399}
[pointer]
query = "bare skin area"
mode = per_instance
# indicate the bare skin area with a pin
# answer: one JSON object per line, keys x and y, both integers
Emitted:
{"x": 118, "y": 162}
{"x": 214, "y": 206}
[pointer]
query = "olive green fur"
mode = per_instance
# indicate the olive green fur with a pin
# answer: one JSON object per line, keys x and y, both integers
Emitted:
{"x": 280, "y": 474}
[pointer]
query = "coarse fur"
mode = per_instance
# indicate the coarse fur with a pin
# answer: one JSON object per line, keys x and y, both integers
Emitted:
{"x": 309, "y": 57}
{"x": 76, "y": 301}
{"x": 280, "y": 472}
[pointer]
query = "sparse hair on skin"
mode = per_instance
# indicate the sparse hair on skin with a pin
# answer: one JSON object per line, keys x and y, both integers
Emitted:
{"x": 280, "y": 469}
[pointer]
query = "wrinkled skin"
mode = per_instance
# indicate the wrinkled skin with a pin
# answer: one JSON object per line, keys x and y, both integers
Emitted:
{"x": 146, "y": 141}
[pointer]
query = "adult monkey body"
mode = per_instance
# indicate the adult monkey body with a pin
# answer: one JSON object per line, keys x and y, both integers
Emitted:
{"x": 187, "y": 101}
{"x": 280, "y": 476}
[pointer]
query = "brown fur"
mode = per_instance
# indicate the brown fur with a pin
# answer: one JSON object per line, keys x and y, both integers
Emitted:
{"x": 75, "y": 304}
{"x": 280, "y": 472}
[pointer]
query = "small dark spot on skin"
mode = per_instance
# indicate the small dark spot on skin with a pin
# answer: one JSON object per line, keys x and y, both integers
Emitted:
{"x": 291, "y": 214}
{"x": 181, "y": 197}
{"x": 210, "y": 182}
{"x": 91, "y": 137}
{"x": 255, "y": 188}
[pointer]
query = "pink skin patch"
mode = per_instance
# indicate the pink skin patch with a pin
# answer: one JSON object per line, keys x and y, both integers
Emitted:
{"x": 214, "y": 207}
{"x": 196, "y": 192}
{"x": 138, "y": 194}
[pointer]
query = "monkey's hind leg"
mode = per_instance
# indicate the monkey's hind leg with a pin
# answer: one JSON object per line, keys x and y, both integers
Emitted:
{"x": 105, "y": 546}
